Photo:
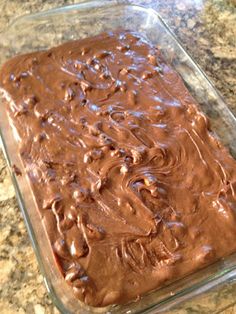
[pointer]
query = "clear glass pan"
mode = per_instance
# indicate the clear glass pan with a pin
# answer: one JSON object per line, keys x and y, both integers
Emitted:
{"x": 50, "y": 28}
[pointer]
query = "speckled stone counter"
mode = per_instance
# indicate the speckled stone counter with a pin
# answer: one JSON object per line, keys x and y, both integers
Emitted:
{"x": 207, "y": 30}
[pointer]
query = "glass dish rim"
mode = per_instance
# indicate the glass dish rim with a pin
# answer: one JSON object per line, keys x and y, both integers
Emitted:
{"x": 211, "y": 280}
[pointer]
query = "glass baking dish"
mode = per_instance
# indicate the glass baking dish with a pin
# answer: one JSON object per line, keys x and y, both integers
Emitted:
{"x": 46, "y": 29}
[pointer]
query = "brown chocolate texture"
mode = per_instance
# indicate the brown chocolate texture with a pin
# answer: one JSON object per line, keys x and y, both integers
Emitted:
{"x": 132, "y": 187}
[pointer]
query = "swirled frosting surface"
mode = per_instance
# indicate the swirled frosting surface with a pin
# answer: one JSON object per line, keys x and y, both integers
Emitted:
{"x": 133, "y": 188}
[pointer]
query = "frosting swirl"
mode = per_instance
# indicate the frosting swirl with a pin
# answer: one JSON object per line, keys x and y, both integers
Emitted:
{"x": 133, "y": 188}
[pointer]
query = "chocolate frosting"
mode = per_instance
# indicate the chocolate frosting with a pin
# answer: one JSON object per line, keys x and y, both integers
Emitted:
{"x": 133, "y": 188}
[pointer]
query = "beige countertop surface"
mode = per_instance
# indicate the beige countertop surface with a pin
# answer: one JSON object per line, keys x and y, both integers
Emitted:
{"x": 207, "y": 29}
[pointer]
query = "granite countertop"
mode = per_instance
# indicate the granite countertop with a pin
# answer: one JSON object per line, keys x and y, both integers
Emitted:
{"x": 207, "y": 30}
